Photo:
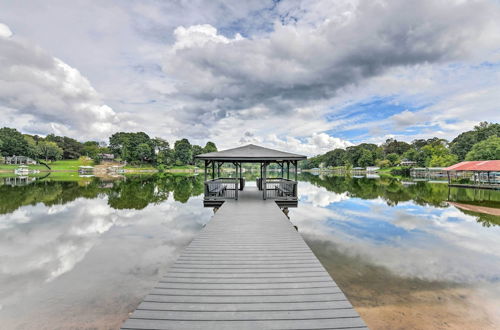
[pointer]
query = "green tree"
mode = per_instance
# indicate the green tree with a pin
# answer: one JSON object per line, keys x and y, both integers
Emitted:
{"x": 144, "y": 152}
{"x": 464, "y": 142}
{"x": 411, "y": 154}
{"x": 383, "y": 163}
{"x": 393, "y": 158}
{"x": 366, "y": 158}
{"x": 183, "y": 153}
{"x": 160, "y": 144}
{"x": 49, "y": 150}
{"x": 91, "y": 149}
{"x": 488, "y": 149}
{"x": 126, "y": 145}
{"x": 31, "y": 150}
{"x": 393, "y": 146}
{"x": 210, "y": 147}
{"x": 336, "y": 157}
{"x": 438, "y": 156}
{"x": 165, "y": 157}
{"x": 364, "y": 154}
{"x": 13, "y": 142}
{"x": 311, "y": 162}
{"x": 197, "y": 150}
{"x": 72, "y": 149}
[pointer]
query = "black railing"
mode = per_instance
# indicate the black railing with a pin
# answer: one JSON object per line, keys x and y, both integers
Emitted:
{"x": 221, "y": 188}
{"x": 279, "y": 188}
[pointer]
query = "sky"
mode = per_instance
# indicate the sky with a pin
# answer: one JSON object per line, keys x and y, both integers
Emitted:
{"x": 298, "y": 75}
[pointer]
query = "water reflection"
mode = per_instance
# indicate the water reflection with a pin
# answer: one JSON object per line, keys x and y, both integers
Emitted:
{"x": 133, "y": 192}
{"x": 418, "y": 254}
{"x": 83, "y": 252}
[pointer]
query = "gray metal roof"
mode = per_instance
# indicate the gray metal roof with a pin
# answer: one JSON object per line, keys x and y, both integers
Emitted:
{"x": 250, "y": 153}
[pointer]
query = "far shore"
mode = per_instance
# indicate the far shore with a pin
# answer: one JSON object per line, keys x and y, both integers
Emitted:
{"x": 130, "y": 170}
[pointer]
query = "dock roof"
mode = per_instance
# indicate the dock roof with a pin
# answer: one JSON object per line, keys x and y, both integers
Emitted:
{"x": 478, "y": 165}
{"x": 250, "y": 153}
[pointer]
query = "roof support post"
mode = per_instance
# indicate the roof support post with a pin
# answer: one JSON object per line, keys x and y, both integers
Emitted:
{"x": 206, "y": 165}
{"x": 264, "y": 193}
{"x": 282, "y": 169}
{"x": 295, "y": 165}
{"x": 218, "y": 169}
{"x": 236, "y": 185}
{"x": 213, "y": 170}
{"x": 288, "y": 170}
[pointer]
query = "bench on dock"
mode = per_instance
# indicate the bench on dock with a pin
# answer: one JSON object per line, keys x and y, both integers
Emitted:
{"x": 285, "y": 189}
{"x": 216, "y": 189}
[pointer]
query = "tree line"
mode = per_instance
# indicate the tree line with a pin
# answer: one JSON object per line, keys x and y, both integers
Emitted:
{"x": 134, "y": 148}
{"x": 139, "y": 147}
{"x": 481, "y": 143}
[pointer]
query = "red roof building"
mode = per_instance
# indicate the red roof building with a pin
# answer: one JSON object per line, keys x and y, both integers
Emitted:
{"x": 477, "y": 165}
{"x": 475, "y": 174}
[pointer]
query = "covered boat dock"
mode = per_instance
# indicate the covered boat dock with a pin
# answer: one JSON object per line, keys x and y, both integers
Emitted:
{"x": 220, "y": 188}
{"x": 483, "y": 174}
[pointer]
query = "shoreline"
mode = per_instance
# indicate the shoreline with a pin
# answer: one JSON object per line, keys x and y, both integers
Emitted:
{"x": 126, "y": 171}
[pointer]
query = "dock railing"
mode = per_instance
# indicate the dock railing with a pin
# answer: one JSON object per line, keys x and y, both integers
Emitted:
{"x": 280, "y": 188}
{"x": 220, "y": 188}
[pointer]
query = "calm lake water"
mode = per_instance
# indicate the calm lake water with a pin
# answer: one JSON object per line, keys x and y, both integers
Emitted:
{"x": 83, "y": 253}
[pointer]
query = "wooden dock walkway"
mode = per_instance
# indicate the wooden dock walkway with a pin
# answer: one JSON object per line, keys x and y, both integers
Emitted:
{"x": 248, "y": 269}
{"x": 476, "y": 186}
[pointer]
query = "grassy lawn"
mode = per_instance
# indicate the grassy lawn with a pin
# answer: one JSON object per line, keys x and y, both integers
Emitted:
{"x": 73, "y": 164}
{"x": 4, "y": 167}
{"x": 60, "y": 165}
{"x": 389, "y": 169}
{"x": 69, "y": 164}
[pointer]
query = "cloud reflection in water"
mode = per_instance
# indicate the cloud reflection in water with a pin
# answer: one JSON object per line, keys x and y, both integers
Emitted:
{"x": 410, "y": 240}
{"x": 85, "y": 260}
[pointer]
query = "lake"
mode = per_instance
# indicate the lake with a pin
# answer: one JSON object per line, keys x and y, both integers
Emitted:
{"x": 83, "y": 252}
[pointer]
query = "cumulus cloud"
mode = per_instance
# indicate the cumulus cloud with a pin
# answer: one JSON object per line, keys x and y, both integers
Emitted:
{"x": 297, "y": 63}
{"x": 53, "y": 96}
{"x": 325, "y": 141}
{"x": 5, "y": 31}
{"x": 311, "y": 145}
{"x": 283, "y": 69}
{"x": 408, "y": 118}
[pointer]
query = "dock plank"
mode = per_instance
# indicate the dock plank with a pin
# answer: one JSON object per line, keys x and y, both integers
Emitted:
{"x": 248, "y": 269}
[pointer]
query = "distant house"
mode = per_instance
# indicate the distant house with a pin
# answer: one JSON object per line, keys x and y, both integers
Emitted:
{"x": 406, "y": 162}
{"x": 107, "y": 156}
{"x": 20, "y": 160}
